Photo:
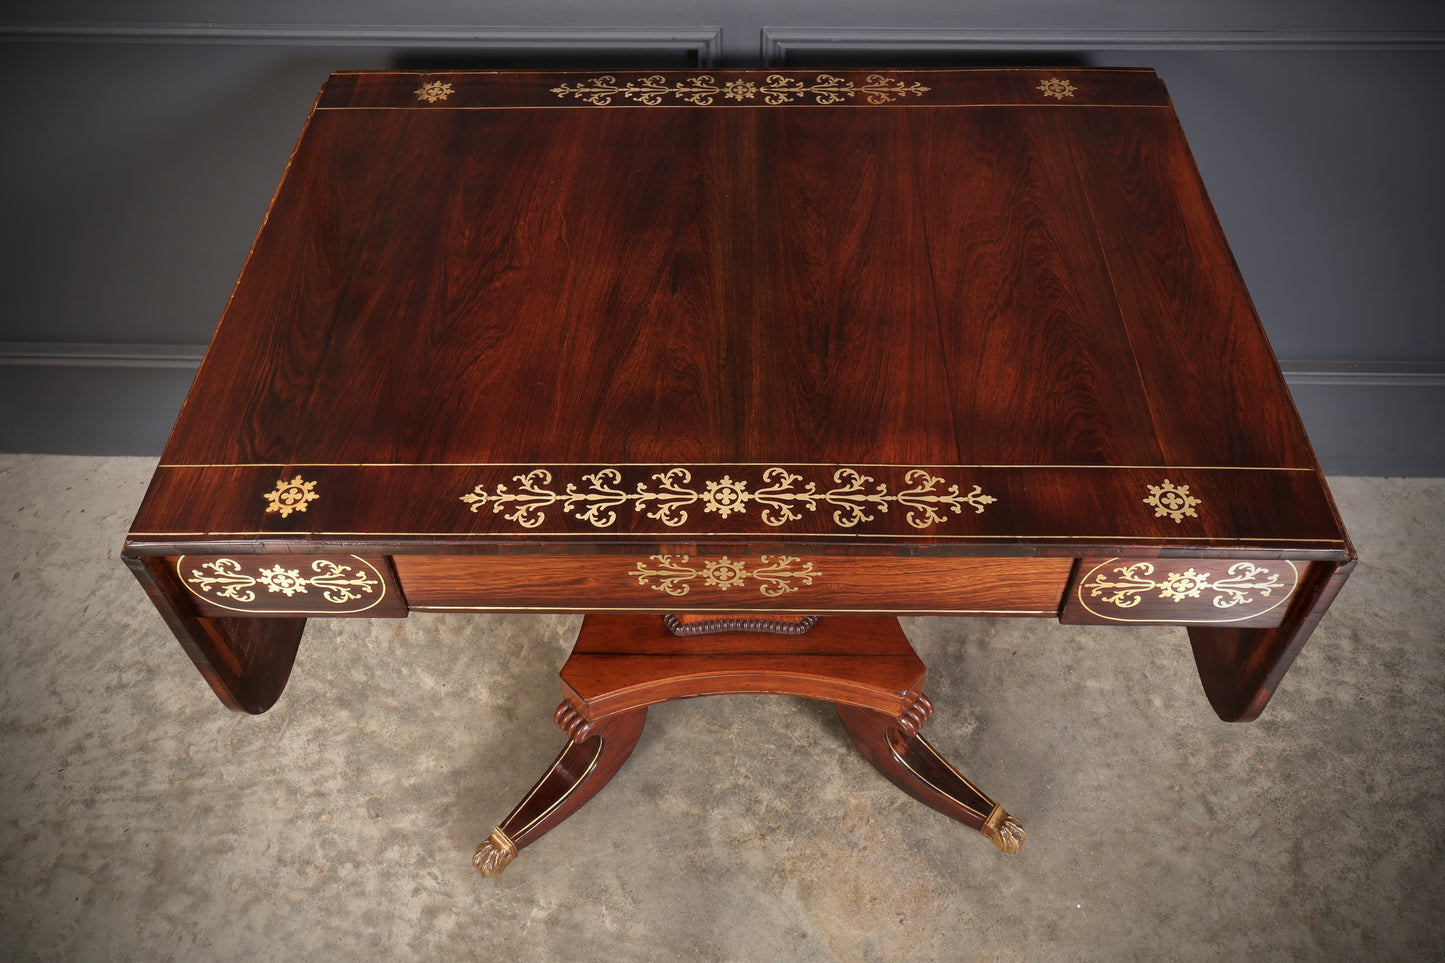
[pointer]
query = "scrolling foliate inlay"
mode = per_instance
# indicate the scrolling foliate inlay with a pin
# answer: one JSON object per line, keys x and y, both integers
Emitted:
{"x": 254, "y": 585}
{"x": 1127, "y": 585}
{"x": 776, "y": 90}
{"x": 667, "y": 496}
{"x": 673, "y": 574}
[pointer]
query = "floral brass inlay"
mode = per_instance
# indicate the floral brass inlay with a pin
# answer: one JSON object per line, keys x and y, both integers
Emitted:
{"x": 1129, "y": 584}
{"x": 783, "y": 497}
{"x": 1172, "y": 500}
{"x": 1054, "y": 87}
{"x": 291, "y": 496}
{"x": 226, "y": 578}
{"x": 776, "y": 574}
{"x": 434, "y": 91}
{"x": 775, "y": 90}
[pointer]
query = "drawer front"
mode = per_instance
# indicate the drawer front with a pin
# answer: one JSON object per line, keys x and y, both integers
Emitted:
{"x": 1180, "y": 591}
{"x": 723, "y": 583}
{"x": 225, "y": 586}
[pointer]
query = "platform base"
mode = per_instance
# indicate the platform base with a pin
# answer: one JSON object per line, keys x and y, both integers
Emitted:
{"x": 623, "y": 664}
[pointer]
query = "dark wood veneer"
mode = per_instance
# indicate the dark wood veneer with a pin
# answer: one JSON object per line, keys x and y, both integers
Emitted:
{"x": 945, "y": 340}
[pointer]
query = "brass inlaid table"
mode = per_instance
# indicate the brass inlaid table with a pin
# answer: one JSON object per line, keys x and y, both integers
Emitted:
{"x": 742, "y": 349}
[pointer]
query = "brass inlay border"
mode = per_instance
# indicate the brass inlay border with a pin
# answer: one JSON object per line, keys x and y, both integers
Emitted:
{"x": 1202, "y": 540}
{"x": 712, "y": 610}
{"x": 783, "y": 497}
{"x": 673, "y": 573}
{"x": 717, "y": 464}
{"x": 1128, "y": 585}
{"x": 230, "y": 580}
{"x": 927, "y": 747}
{"x": 290, "y": 496}
{"x": 776, "y": 90}
{"x": 1172, "y": 500}
{"x": 586, "y": 772}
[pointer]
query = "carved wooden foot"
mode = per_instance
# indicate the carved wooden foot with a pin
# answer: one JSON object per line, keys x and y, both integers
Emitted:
{"x": 592, "y": 756}
{"x": 910, "y": 763}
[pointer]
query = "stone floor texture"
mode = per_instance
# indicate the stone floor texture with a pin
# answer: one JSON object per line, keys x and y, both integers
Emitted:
{"x": 140, "y": 820}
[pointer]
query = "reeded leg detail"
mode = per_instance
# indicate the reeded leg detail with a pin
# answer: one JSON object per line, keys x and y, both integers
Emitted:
{"x": 896, "y": 750}
{"x": 595, "y": 751}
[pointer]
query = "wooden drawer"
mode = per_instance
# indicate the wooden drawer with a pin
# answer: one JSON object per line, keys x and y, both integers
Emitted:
{"x": 722, "y": 583}
{"x": 1185, "y": 591}
{"x": 225, "y": 586}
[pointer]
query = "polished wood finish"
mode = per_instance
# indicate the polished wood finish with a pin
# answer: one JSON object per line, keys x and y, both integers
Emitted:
{"x": 593, "y": 754}
{"x": 777, "y": 582}
{"x": 1187, "y": 591}
{"x": 334, "y": 586}
{"x": 743, "y": 343}
{"x": 623, "y": 664}
{"x": 913, "y": 765}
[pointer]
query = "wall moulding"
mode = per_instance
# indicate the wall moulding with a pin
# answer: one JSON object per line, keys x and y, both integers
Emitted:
{"x": 705, "y": 43}
{"x": 1337, "y": 374}
{"x": 71, "y": 398}
{"x": 779, "y": 43}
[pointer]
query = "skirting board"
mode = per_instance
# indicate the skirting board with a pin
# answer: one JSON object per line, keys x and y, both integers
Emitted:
{"x": 117, "y": 399}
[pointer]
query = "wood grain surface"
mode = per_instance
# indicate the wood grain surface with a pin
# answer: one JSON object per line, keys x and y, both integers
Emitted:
{"x": 525, "y": 332}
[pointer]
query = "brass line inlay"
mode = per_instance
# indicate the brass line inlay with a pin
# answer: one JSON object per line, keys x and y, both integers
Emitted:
{"x": 901, "y": 104}
{"x": 739, "y": 464}
{"x": 230, "y": 580}
{"x": 1129, "y": 585}
{"x": 587, "y": 772}
{"x": 924, "y": 744}
{"x": 586, "y": 608}
{"x": 776, "y": 90}
{"x": 783, "y": 497}
{"x": 674, "y": 573}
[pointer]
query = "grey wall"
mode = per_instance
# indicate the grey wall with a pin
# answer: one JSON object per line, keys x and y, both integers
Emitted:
{"x": 140, "y": 156}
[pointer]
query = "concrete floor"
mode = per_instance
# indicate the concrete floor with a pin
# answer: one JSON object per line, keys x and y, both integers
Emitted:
{"x": 142, "y": 821}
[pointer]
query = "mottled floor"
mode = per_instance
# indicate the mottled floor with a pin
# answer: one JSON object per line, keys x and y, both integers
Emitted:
{"x": 140, "y": 820}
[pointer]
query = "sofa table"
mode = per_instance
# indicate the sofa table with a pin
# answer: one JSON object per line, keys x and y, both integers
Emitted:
{"x": 778, "y": 356}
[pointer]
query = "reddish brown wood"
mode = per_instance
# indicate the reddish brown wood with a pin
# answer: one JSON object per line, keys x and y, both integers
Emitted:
{"x": 621, "y": 665}
{"x": 333, "y": 585}
{"x": 1189, "y": 591}
{"x": 957, "y": 318}
{"x": 896, "y": 750}
{"x": 246, "y": 661}
{"x": 624, "y": 662}
{"x": 764, "y": 582}
{"x": 581, "y": 769}
{"x": 1241, "y": 668}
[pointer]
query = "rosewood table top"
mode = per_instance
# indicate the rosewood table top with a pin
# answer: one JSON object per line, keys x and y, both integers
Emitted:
{"x": 741, "y": 341}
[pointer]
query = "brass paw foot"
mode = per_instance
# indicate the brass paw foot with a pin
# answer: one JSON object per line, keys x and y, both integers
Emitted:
{"x": 1006, "y": 832}
{"x": 493, "y": 856}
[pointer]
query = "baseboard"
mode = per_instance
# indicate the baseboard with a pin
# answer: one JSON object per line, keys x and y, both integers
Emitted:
{"x": 782, "y": 45}
{"x": 705, "y": 43}
{"x": 121, "y": 399}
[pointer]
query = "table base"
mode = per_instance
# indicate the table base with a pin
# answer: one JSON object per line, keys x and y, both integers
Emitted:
{"x": 622, "y": 664}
